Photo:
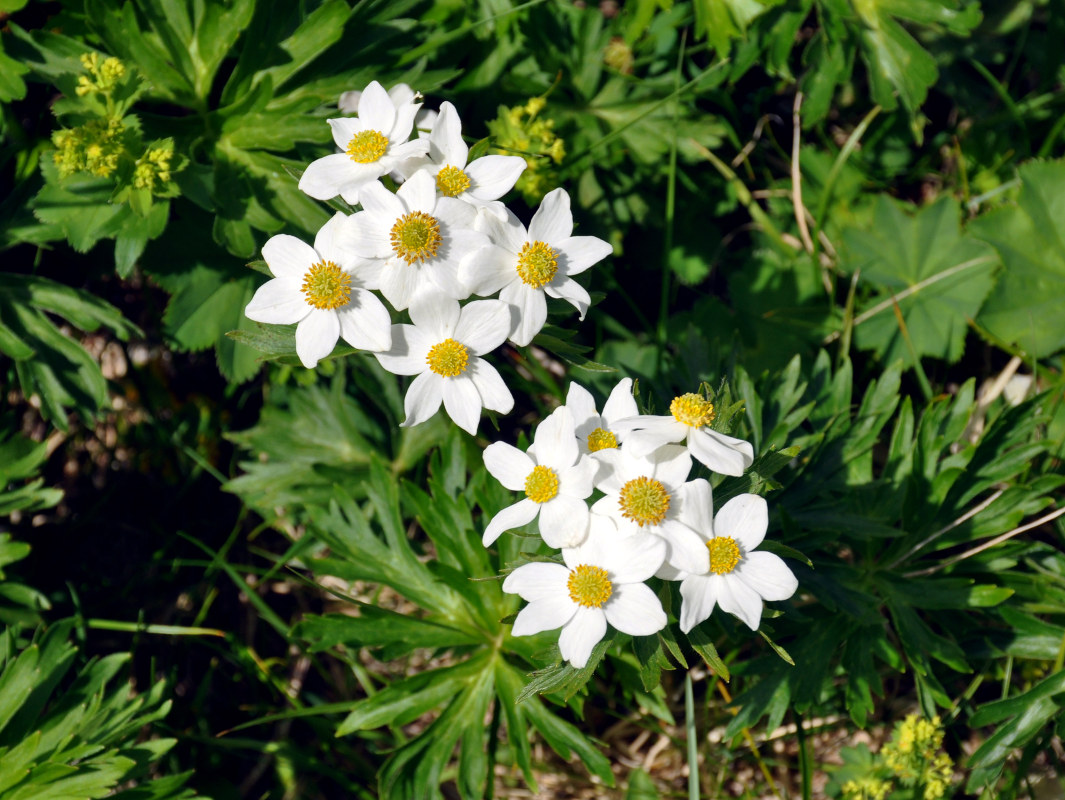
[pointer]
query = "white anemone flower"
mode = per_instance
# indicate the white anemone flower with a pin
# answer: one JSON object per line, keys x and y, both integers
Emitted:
{"x": 689, "y": 421}
{"x": 597, "y": 432}
{"x": 739, "y": 577}
{"x": 480, "y": 182}
{"x": 651, "y": 495}
{"x": 374, "y": 144}
{"x": 556, "y": 480}
{"x": 401, "y": 94}
{"x": 414, "y": 238}
{"x": 443, "y": 348}
{"x": 601, "y": 581}
{"x": 525, "y": 265}
{"x": 318, "y": 289}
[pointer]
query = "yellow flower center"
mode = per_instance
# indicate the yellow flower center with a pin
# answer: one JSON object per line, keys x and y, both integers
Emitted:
{"x": 326, "y": 285}
{"x": 600, "y": 439}
{"x": 415, "y": 237}
{"x": 644, "y": 500}
{"x": 537, "y": 264}
{"x": 541, "y": 485}
{"x": 589, "y": 586}
{"x": 452, "y": 181}
{"x": 692, "y": 409}
{"x": 366, "y": 147}
{"x": 448, "y": 358}
{"x": 724, "y": 554}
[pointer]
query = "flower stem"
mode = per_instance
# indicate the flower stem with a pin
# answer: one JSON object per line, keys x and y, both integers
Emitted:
{"x": 693, "y": 742}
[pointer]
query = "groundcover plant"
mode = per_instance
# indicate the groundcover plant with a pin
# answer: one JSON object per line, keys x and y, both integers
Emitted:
{"x": 427, "y": 399}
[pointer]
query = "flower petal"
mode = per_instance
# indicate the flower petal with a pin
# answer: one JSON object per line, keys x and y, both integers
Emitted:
{"x": 419, "y": 193}
{"x": 694, "y": 504}
{"x": 289, "y": 257}
{"x": 579, "y": 480}
{"x": 698, "y": 598}
{"x": 544, "y": 614}
{"x": 278, "y": 301}
{"x": 581, "y": 634}
{"x": 445, "y": 142}
{"x": 376, "y": 110}
{"x": 316, "y": 336}
{"x": 634, "y": 609}
{"x": 487, "y": 270}
{"x": 556, "y": 444}
{"x": 633, "y": 559}
{"x": 620, "y": 404}
{"x": 365, "y": 323}
{"x": 672, "y": 465}
{"x": 531, "y": 311}
{"x": 687, "y": 550}
{"x": 580, "y": 252}
{"x": 382, "y": 206}
{"x": 768, "y": 575}
{"x": 563, "y": 288}
{"x": 401, "y": 283}
{"x": 655, "y": 432}
{"x": 582, "y": 405}
{"x": 564, "y": 521}
{"x": 745, "y": 518}
{"x": 406, "y": 355}
{"x": 508, "y": 465}
{"x": 495, "y": 396}
{"x": 462, "y": 402}
{"x": 423, "y": 399}
{"x": 513, "y": 516}
{"x": 482, "y": 325}
{"x": 723, "y": 454}
{"x": 330, "y": 175}
{"x": 736, "y": 597}
{"x": 491, "y": 177}
{"x": 537, "y": 580}
{"x": 553, "y": 222}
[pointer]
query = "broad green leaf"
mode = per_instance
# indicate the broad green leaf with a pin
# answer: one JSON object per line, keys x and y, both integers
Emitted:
{"x": 937, "y": 276}
{"x": 12, "y": 87}
{"x": 1028, "y": 305}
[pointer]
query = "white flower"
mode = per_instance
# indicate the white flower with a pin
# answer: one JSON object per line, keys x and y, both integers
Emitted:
{"x": 414, "y": 238}
{"x": 524, "y": 265}
{"x": 691, "y": 415}
{"x": 480, "y": 183}
{"x": 400, "y": 94}
{"x": 652, "y": 495}
{"x": 374, "y": 144}
{"x": 597, "y": 432}
{"x": 442, "y": 348}
{"x": 601, "y": 582}
{"x": 556, "y": 480}
{"x": 738, "y": 578}
{"x": 313, "y": 286}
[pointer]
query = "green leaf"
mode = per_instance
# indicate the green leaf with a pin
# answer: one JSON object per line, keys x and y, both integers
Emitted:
{"x": 1029, "y": 302}
{"x": 938, "y": 277}
{"x": 12, "y": 87}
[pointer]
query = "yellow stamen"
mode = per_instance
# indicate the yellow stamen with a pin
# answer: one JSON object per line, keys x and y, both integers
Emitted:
{"x": 589, "y": 586}
{"x": 692, "y": 409}
{"x": 541, "y": 485}
{"x": 415, "y": 237}
{"x": 452, "y": 181}
{"x": 644, "y": 500}
{"x": 449, "y": 358}
{"x": 326, "y": 285}
{"x": 601, "y": 439}
{"x": 537, "y": 264}
{"x": 367, "y": 147}
{"x": 724, "y": 554}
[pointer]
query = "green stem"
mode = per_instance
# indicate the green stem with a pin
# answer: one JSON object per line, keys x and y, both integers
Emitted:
{"x": 693, "y": 743}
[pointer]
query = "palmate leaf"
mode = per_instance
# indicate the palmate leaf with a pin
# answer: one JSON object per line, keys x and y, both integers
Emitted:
{"x": 1028, "y": 305}
{"x": 922, "y": 262}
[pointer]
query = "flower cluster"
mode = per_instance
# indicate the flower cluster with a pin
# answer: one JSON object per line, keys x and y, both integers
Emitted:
{"x": 649, "y": 520}
{"x": 913, "y": 758}
{"x": 441, "y": 237}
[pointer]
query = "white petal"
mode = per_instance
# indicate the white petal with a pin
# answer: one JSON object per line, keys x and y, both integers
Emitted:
{"x": 653, "y": 433}
{"x": 406, "y": 355}
{"x": 330, "y": 243}
{"x": 545, "y": 614}
{"x": 382, "y": 206}
{"x": 556, "y": 444}
{"x": 330, "y": 175}
{"x": 508, "y": 233}
{"x": 508, "y": 465}
{"x": 582, "y": 405}
{"x": 693, "y": 504}
{"x": 621, "y": 403}
{"x": 615, "y": 472}
{"x": 672, "y": 465}
{"x": 564, "y": 521}
{"x": 401, "y": 283}
{"x": 487, "y": 270}
{"x": 768, "y": 575}
{"x": 581, "y": 634}
{"x": 721, "y": 453}
{"x": 376, "y": 110}
{"x": 343, "y": 129}
{"x": 511, "y": 517}
{"x": 482, "y": 325}
{"x": 567, "y": 289}
{"x": 458, "y": 215}
{"x": 736, "y": 597}
{"x": 419, "y": 193}
{"x": 495, "y": 396}
{"x": 462, "y": 402}
{"x": 633, "y": 559}
{"x": 445, "y": 142}
{"x": 365, "y": 323}
{"x": 365, "y": 237}
{"x": 289, "y": 257}
{"x": 745, "y": 518}
{"x": 634, "y": 609}
{"x": 580, "y": 252}
{"x": 552, "y": 223}
{"x": 491, "y": 177}
{"x": 278, "y": 301}
{"x": 537, "y": 580}
{"x": 316, "y": 336}
{"x": 436, "y": 315}
{"x": 423, "y": 399}
{"x": 579, "y": 480}
{"x": 531, "y": 310}
{"x": 687, "y": 550}
{"x": 406, "y": 113}
{"x": 698, "y": 597}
